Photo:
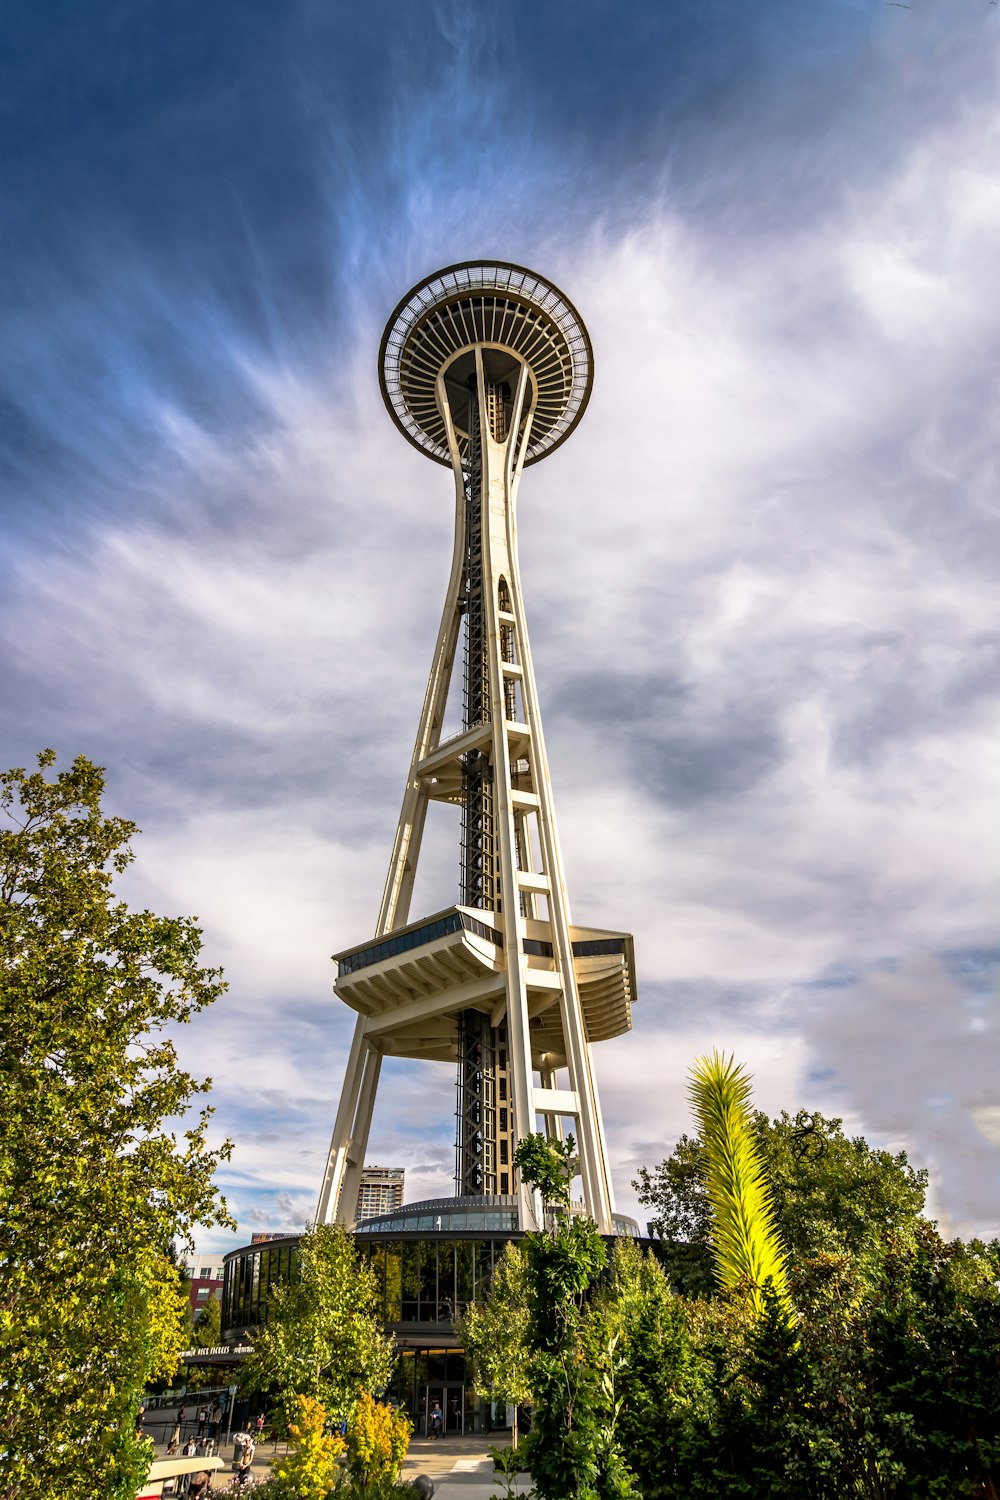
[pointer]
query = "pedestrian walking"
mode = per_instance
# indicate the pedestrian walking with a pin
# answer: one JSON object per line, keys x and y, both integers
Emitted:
{"x": 175, "y": 1438}
{"x": 214, "y": 1420}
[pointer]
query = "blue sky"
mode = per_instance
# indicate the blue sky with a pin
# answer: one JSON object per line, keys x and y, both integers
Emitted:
{"x": 760, "y": 578}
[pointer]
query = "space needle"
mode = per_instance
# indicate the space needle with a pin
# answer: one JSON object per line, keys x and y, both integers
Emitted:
{"x": 485, "y": 368}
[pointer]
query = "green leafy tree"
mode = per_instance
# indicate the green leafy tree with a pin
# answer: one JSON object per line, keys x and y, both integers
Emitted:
{"x": 573, "y": 1450}
{"x": 208, "y": 1327}
{"x": 494, "y": 1336}
{"x": 658, "y": 1383}
{"x": 830, "y": 1193}
{"x": 206, "y": 1333}
{"x": 324, "y": 1336}
{"x": 746, "y": 1246}
{"x": 94, "y": 1181}
{"x": 682, "y": 1215}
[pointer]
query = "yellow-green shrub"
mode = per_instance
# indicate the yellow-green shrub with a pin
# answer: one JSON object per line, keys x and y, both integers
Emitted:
{"x": 309, "y": 1469}
{"x": 377, "y": 1440}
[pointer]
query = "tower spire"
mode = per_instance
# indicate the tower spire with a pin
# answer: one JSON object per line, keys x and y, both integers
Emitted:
{"x": 485, "y": 367}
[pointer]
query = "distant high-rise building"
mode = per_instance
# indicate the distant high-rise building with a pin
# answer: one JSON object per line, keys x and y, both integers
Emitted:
{"x": 380, "y": 1192}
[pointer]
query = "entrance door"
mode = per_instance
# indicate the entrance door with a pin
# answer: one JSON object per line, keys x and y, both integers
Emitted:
{"x": 451, "y": 1399}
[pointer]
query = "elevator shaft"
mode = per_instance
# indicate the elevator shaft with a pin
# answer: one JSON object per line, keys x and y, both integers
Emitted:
{"x": 485, "y": 1138}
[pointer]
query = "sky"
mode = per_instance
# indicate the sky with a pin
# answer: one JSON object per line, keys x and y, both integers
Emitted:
{"x": 760, "y": 578}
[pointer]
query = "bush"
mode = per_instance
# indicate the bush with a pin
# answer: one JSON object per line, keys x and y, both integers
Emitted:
{"x": 377, "y": 1440}
{"x": 309, "y": 1470}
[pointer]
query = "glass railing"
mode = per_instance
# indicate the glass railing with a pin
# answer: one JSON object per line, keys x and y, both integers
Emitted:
{"x": 457, "y": 921}
{"x": 416, "y": 937}
{"x": 585, "y": 948}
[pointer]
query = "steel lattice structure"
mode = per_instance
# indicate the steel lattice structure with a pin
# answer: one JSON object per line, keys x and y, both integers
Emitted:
{"x": 487, "y": 368}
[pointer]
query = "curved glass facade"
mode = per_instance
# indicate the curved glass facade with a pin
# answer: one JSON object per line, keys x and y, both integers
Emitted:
{"x": 447, "y": 1215}
{"x": 422, "y": 1279}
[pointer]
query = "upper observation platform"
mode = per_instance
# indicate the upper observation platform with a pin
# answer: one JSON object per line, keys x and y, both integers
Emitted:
{"x": 514, "y": 317}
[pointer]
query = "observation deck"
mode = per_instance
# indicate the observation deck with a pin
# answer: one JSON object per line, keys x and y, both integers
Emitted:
{"x": 514, "y": 316}
{"x": 412, "y": 984}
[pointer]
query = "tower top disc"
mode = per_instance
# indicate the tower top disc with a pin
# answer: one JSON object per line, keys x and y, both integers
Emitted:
{"x": 499, "y": 306}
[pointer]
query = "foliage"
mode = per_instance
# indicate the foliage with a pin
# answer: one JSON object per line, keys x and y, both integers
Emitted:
{"x": 548, "y": 1166}
{"x": 323, "y": 1337}
{"x": 834, "y": 1194}
{"x": 682, "y": 1215}
{"x": 660, "y": 1374}
{"x": 206, "y": 1333}
{"x": 745, "y": 1244}
{"x": 494, "y": 1336}
{"x": 886, "y": 1387}
{"x": 207, "y": 1330}
{"x": 508, "y": 1462}
{"x": 309, "y": 1470}
{"x": 377, "y": 1440}
{"x": 830, "y": 1193}
{"x": 572, "y": 1448}
{"x": 94, "y": 1186}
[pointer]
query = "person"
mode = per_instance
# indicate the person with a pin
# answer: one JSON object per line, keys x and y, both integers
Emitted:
{"x": 190, "y": 1447}
{"x": 260, "y": 1427}
{"x": 202, "y": 1420}
{"x": 215, "y": 1420}
{"x": 201, "y": 1484}
{"x": 181, "y": 1414}
{"x": 244, "y": 1474}
{"x": 437, "y": 1420}
{"x": 175, "y": 1438}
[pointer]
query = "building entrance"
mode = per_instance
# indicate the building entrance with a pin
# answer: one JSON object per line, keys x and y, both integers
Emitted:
{"x": 451, "y": 1399}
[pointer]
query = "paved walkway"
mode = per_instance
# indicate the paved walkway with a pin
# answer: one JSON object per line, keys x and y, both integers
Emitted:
{"x": 459, "y": 1466}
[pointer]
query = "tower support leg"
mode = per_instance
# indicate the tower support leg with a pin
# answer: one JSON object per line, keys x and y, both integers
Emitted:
{"x": 346, "y": 1156}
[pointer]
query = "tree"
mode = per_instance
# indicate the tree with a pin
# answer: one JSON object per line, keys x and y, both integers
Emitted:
{"x": 494, "y": 1336}
{"x": 658, "y": 1383}
{"x": 830, "y": 1193}
{"x": 573, "y": 1449}
{"x": 206, "y": 1333}
{"x": 207, "y": 1330}
{"x": 746, "y": 1246}
{"x": 95, "y": 1182}
{"x": 682, "y": 1215}
{"x": 323, "y": 1337}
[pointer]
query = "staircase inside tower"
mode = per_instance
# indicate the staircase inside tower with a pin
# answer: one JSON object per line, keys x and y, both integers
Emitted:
{"x": 484, "y": 1144}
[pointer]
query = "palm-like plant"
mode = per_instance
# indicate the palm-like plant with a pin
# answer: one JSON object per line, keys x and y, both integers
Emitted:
{"x": 746, "y": 1246}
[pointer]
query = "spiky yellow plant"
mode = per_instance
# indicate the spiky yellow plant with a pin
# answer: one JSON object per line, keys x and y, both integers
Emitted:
{"x": 746, "y": 1246}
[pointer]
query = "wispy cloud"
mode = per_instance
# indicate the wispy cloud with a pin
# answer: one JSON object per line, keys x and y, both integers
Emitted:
{"x": 760, "y": 579}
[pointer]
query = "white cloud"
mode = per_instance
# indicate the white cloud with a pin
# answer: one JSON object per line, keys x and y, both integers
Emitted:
{"x": 760, "y": 581}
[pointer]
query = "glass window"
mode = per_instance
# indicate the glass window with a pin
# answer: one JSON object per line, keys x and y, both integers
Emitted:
{"x": 465, "y": 1282}
{"x": 410, "y": 1277}
{"x": 393, "y": 1283}
{"x": 428, "y": 1282}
